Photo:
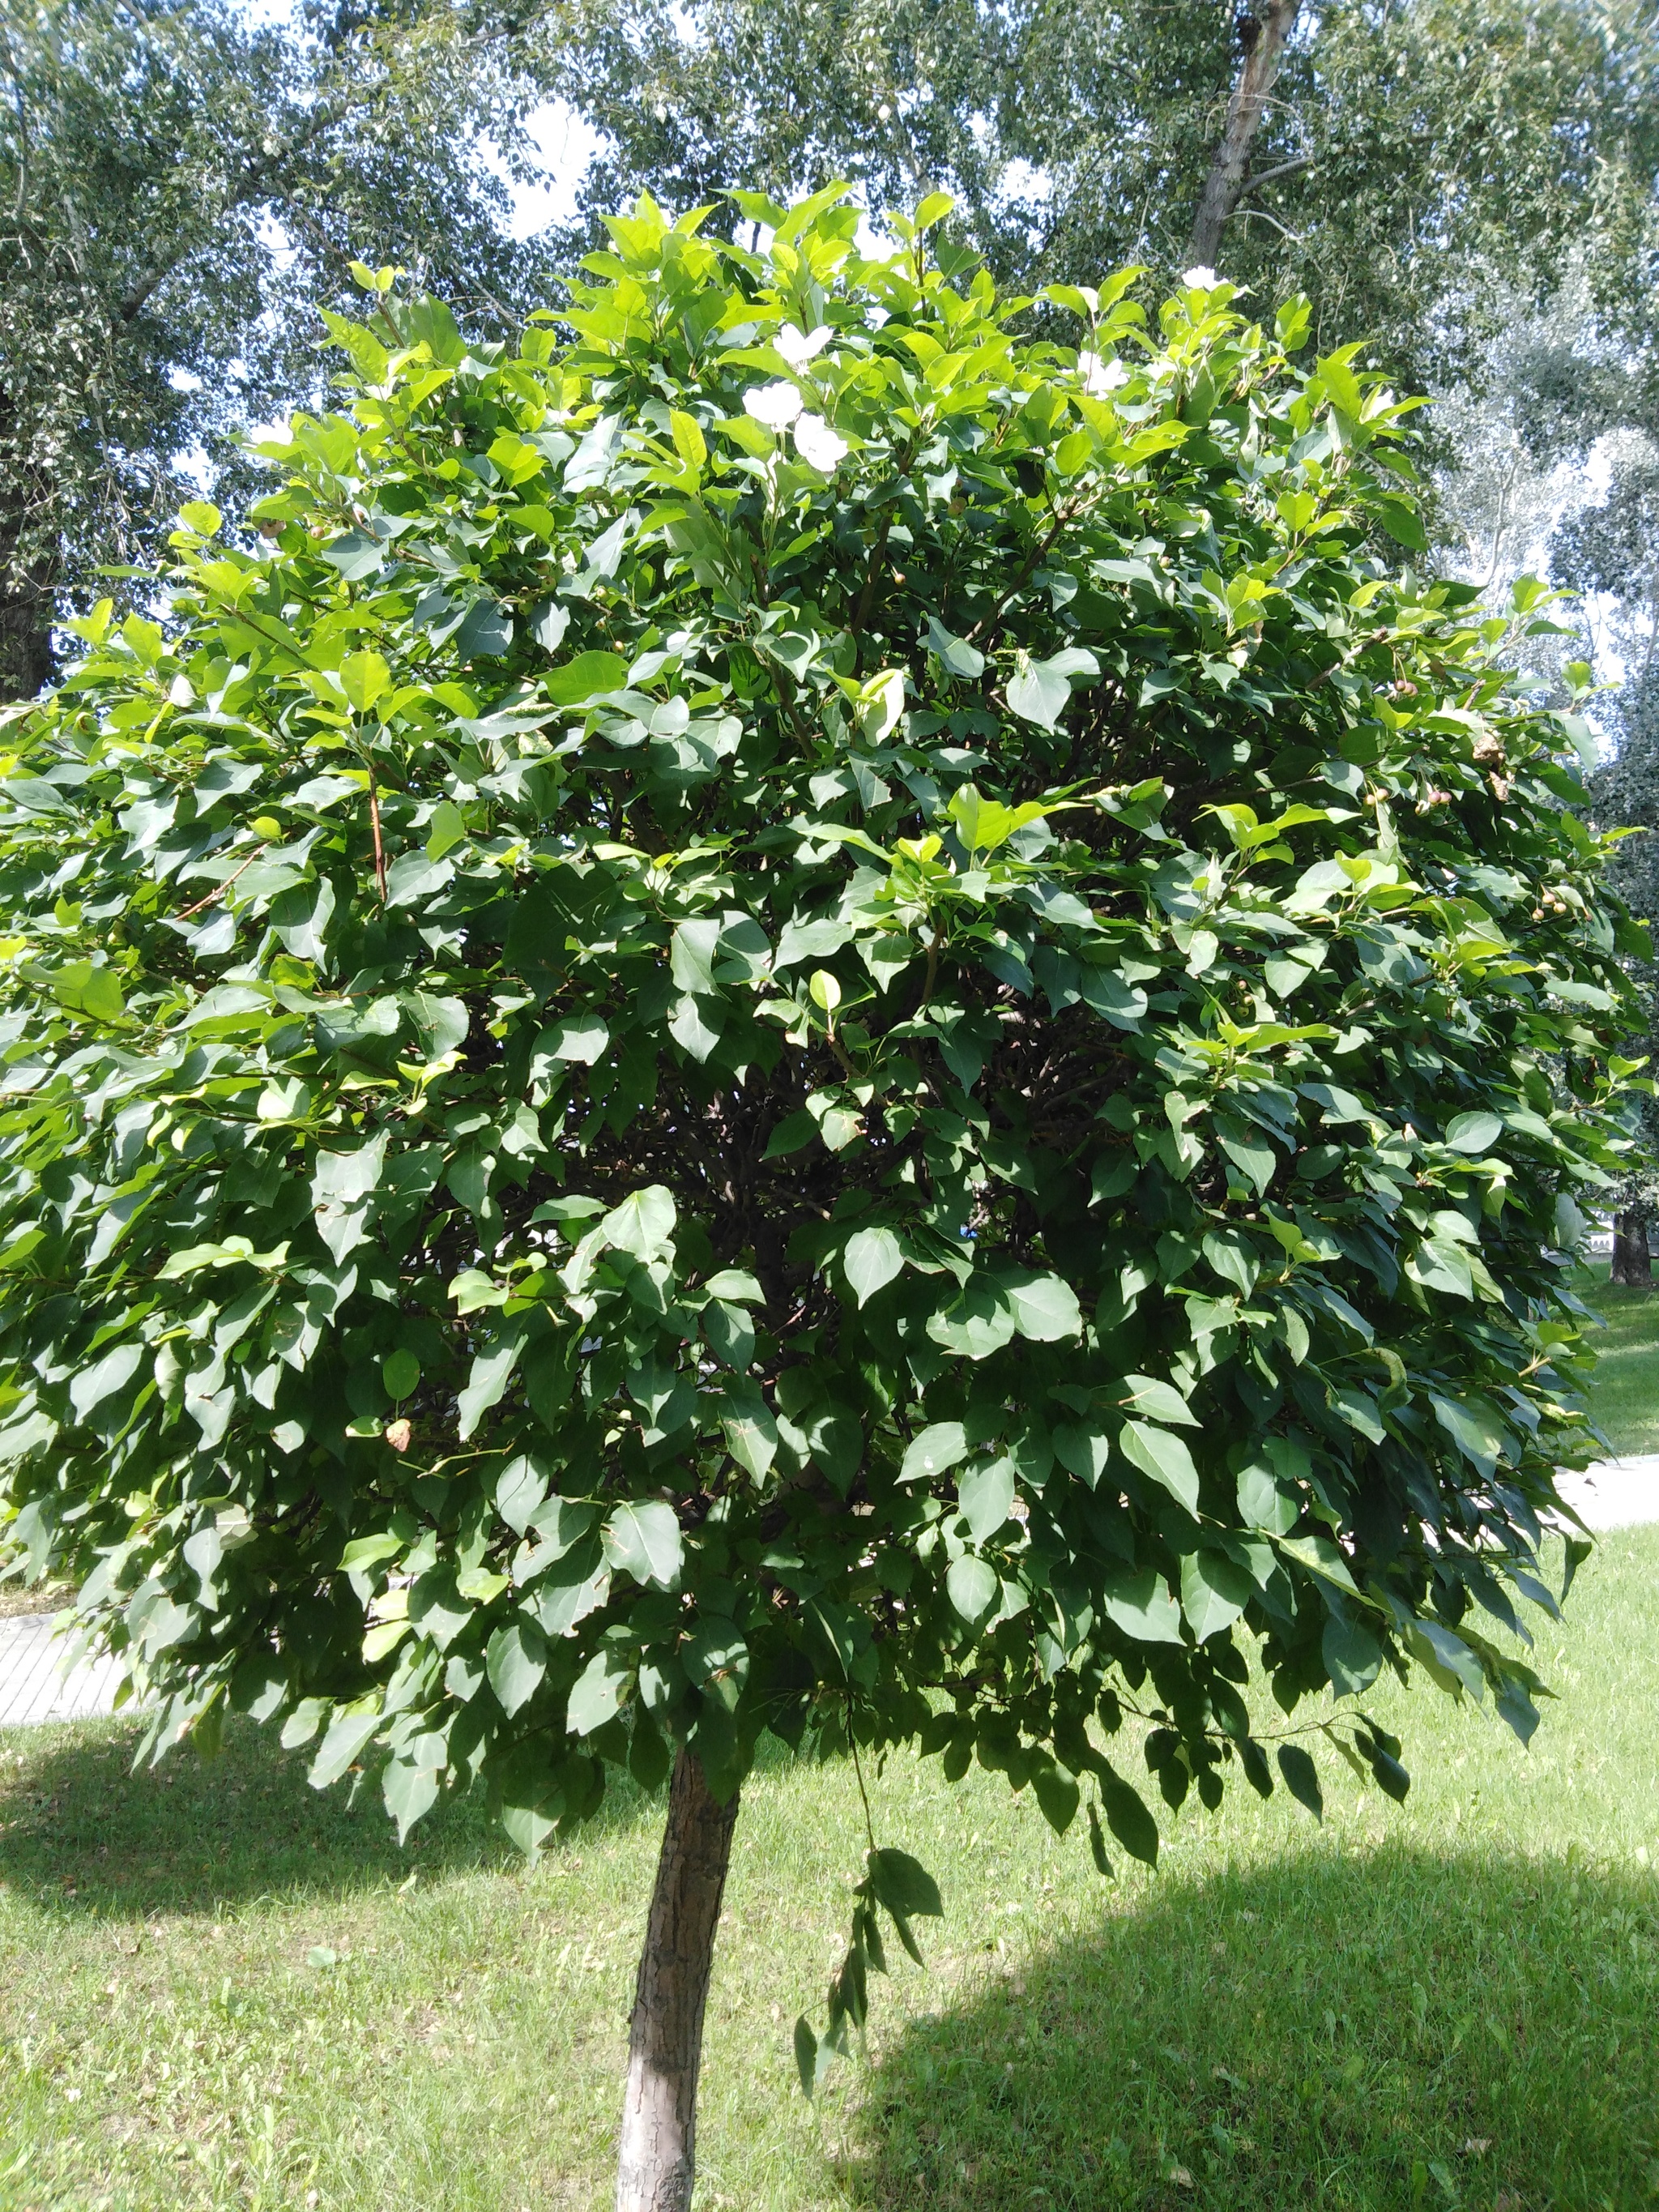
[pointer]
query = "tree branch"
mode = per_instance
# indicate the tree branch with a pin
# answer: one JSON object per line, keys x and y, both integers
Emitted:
{"x": 1264, "y": 53}
{"x": 1272, "y": 176}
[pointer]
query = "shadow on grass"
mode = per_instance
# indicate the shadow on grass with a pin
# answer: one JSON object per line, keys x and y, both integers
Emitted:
{"x": 1371, "y": 2032}
{"x": 80, "y": 1831}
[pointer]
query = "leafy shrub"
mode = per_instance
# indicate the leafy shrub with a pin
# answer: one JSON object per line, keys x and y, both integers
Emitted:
{"x": 804, "y": 1014}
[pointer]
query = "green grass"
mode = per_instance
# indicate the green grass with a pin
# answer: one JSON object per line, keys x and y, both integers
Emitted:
{"x": 218, "y": 1990}
{"x": 1625, "y": 1397}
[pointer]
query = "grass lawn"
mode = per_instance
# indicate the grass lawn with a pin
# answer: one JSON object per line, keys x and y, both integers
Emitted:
{"x": 1625, "y": 1397}
{"x": 218, "y": 1989}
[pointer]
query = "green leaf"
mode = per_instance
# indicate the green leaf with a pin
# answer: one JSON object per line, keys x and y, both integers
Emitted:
{"x": 1234, "y": 1259}
{"x": 954, "y": 654}
{"x": 1213, "y": 1592}
{"x": 1321, "y": 1557}
{"x": 985, "y": 1495}
{"x": 1164, "y": 1457}
{"x": 1098, "y": 1846}
{"x": 1057, "y": 1794}
{"x": 1265, "y": 1502}
{"x": 808, "y": 2056}
{"x": 409, "y": 1791}
{"x": 1044, "y": 1308}
{"x": 486, "y": 1386}
{"x": 872, "y": 1260}
{"x": 596, "y": 1694}
{"x": 83, "y": 989}
{"x": 978, "y": 1322}
{"x": 369, "y": 1551}
{"x": 692, "y": 955}
{"x": 1474, "y": 1133}
{"x": 643, "y": 1223}
{"x": 904, "y": 1885}
{"x": 347, "y": 1737}
{"x": 587, "y": 676}
{"x": 1474, "y": 1428}
{"x": 521, "y": 1488}
{"x": 1129, "y": 1819}
{"x": 790, "y": 1134}
{"x": 1141, "y": 1606}
{"x": 973, "y": 1587}
{"x": 1352, "y": 1656}
{"x": 400, "y": 1371}
{"x": 1039, "y": 691}
{"x": 1442, "y": 1650}
{"x": 1158, "y": 1401}
{"x": 580, "y": 1037}
{"x": 942, "y": 1445}
{"x": 1302, "y": 1778}
{"x": 515, "y": 1662}
{"x": 447, "y": 830}
{"x": 688, "y": 440}
{"x": 1402, "y": 522}
{"x": 644, "y": 1541}
{"x": 751, "y": 1433}
{"x": 364, "y": 678}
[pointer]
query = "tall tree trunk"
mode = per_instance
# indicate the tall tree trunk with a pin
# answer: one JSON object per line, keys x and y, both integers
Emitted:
{"x": 1263, "y": 38}
{"x": 26, "y": 661}
{"x": 657, "y": 2163}
{"x": 1631, "y": 1263}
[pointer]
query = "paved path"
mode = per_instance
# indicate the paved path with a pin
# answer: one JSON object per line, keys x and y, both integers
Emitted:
{"x": 1616, "y": 1494}
{"x": 32, "y": 1685}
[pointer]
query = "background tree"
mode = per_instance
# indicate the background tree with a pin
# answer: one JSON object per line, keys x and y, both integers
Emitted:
{"x": 1609, "y": 555}
{"x": 806, "y": 1018}
{"x": 179, "y": 193}
{"x": 1410, "y": 167}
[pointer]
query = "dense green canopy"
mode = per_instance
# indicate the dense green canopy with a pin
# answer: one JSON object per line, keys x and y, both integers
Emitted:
{"x": 802, "y": 1015}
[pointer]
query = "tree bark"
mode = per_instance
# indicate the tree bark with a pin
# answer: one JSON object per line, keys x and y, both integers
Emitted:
{"x": 1264, "y": 40}
{"x": 26, "y": 661}
{"x": 1631, "y": 1263}
{"x": 657, "y": 2161}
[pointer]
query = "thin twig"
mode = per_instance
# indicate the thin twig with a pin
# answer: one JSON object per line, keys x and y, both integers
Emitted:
{"x": 374, "y": 824}
{"x": 857, "y": 1769}
{"x": 219, "y": 889}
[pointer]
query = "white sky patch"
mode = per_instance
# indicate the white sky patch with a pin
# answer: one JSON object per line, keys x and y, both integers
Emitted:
{"x": 566, "y": 143}
{"x": 1024, "y": 180}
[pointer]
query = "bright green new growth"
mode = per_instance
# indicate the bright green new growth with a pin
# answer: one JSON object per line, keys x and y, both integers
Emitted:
{"x": 807, "y": 1014}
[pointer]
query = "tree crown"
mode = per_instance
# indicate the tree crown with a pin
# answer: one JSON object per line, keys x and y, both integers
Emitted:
{"x": 802, "y": 1015}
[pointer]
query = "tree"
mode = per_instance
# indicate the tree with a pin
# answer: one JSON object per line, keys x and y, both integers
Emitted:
{"x": 1411, "y": 167}
{"x": 802, "y": 1017}
{"x": 178, "y": 195}
{"x": 1606, "y": 554}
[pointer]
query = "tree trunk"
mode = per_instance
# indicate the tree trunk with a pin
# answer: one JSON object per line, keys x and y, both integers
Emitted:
{"x": 657, "y": 2163}
{"x": 26, "y": 662}
{"x": 1631, "y": 1262}
{"x": 1264, "y": 38}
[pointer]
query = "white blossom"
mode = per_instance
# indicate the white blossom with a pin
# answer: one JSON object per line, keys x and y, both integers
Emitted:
{"x": 798, "y": 348}
{"x": 820, "y": 446}
{"x": 774, "y": 404}
{"x": 1099, "y": 377}
{"x": 1200, "y": 280}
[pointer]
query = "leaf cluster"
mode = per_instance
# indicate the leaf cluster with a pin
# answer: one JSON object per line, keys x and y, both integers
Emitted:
{"x": 800, "y": 1016}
